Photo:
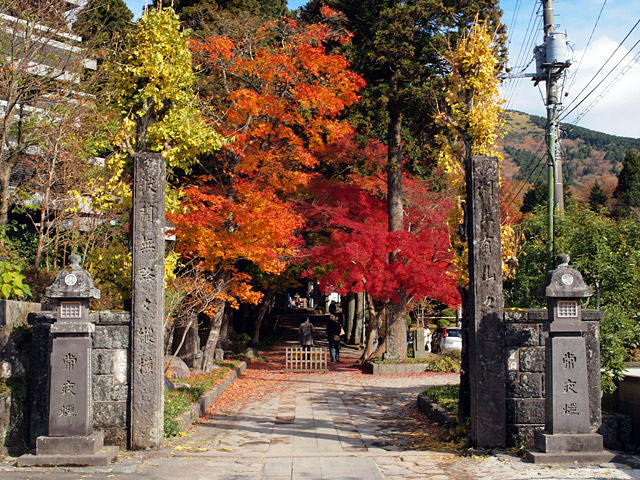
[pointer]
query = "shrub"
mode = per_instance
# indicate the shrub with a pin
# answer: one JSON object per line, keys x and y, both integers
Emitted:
{"x": 445, "y": 395}
{"x": 447, "y": 362}
{"x": 179, "y": 400}
{"x": 12, "y": 285}
{"x": 443, "y": 322}
{"x": 238, "y": 342}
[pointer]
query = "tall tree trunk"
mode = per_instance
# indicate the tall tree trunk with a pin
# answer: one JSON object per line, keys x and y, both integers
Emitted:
{"x": 395, "y": 209}
{"x": 263, "y": 311}
{"x": 358, "y": 320}
{"x": 5, "y": 177}
{"x": 396, "y": 331}
{"x": 349, "y": 317}
{"x": 227, "y": 321}
{"x": 375, "y": 319}
{"x": 42, "y": 231}
{"x": 212, "y": 338}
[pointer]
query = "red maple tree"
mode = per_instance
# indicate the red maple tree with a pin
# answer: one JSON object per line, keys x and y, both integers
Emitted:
{"x": 356, "y": 256}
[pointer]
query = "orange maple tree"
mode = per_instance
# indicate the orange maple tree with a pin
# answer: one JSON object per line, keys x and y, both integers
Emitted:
{"x": 277, "y": 95}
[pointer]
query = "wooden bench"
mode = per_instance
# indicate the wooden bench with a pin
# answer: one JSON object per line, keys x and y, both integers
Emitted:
{"x": 300, "y": 360}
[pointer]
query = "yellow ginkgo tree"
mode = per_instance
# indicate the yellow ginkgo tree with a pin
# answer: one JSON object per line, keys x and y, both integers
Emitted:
{"x": 473, "y": 117}
{"x": 155, "y": 98}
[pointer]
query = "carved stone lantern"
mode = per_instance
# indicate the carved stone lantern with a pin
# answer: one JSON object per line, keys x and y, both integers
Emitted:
{"x": 71, "y": 439}
{"x": 564, "y": 288}
{"x": 70, "y": 292}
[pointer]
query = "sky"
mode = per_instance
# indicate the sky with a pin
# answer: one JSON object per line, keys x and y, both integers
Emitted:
{"x": 614, "y": 106}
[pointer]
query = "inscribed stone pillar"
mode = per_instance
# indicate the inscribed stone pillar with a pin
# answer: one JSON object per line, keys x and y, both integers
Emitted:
{"x": 567, "y": 437}
{"x": 71, "y": 439}
{"x": 70, "y": 408}
{"x": 486, "y": 332}
{"x": 147, "y": 392}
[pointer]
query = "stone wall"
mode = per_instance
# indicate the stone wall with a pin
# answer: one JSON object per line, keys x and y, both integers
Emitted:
{"x": 626, "y": 400}
{"x": 109, "y": 368}
{"x": 14, "y": 312}
{"x": 525, "y": 358}
{"x": 110, "y": 382}
{"x": 15, "y": 341}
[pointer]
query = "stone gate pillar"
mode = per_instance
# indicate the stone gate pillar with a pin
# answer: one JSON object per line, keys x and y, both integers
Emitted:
{"x": 147, "y": 282}
{"x": 485, "y": 305}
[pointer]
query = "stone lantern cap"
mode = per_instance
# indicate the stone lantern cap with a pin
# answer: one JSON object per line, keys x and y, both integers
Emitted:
{"x": 565, "y": 281}
{"x": 73, "y": 282}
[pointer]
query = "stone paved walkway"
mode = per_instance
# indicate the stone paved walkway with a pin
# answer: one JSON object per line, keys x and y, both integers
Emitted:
{"x": 340, "y": 425}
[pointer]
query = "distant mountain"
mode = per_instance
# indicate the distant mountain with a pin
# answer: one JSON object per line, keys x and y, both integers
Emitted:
{"x": 587, "y": 155}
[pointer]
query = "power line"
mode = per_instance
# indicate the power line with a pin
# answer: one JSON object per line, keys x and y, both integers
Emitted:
{"x": 603, "y": 65}
{"x": 529, "y": 34}
{"x": 608, "y": 88}
{"x": 605, "y": 77}
{"x": 511, "y": 90}
{"x": 575, "y": 72}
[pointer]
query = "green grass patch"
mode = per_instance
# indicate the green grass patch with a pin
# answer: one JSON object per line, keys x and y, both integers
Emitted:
{"x": 178, "y": 401}
{"x": 446, "y": 396}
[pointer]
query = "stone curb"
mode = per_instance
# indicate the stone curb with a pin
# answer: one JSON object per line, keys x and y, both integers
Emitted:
{"x": 434, "y": 411}
{"x": 395, "y": 368}
{"x": 195, "y": 411}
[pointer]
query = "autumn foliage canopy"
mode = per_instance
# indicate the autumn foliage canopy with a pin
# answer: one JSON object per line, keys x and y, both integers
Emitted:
{"x": 356, "y": 256}
{"x": 278, "y": 103}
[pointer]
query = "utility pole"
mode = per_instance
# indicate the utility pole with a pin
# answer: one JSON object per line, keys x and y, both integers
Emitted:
{"x": 551, "y": 59}
{"x": 552, "y": 101}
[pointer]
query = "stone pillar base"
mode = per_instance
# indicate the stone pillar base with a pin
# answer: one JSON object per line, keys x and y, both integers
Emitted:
{"x": 421, "y": 354}
{"x": 568, "y": 442}
{"x": 570, "y": 458}
{"x": 79, "y": 451}
{"x": 568, "y": 449}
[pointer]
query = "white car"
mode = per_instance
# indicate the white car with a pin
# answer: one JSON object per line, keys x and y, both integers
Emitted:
{"x": 446, "y": 339}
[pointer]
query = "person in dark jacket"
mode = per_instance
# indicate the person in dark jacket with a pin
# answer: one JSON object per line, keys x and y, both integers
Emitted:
{"x": 306, "y": 334}
{"x": 334, "y": 330}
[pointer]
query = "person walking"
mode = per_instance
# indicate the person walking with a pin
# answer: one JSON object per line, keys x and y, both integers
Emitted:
{"x": 334, "y": 331}
{"x": 306, "y": 334}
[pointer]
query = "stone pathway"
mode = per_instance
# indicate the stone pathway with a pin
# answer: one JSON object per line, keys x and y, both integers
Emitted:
{"x": 340, "y": 425}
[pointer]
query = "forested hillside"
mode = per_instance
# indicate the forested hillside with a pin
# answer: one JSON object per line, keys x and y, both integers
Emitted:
{"x": 587, "y": 155}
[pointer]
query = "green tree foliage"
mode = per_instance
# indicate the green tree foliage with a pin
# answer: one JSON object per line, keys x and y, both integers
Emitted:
{"x": 200, "y": 15}
{"x": 608, "y": 255}
{"x": 399, "y": 49}
{"x": 536, "y": 195}
{"x": 597, "y": 197}
{"x": 103, "y": 23}
{"x": 627, "y": 193}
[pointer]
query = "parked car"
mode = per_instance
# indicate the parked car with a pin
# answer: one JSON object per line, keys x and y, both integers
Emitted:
{"x": 445, "y": 339}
